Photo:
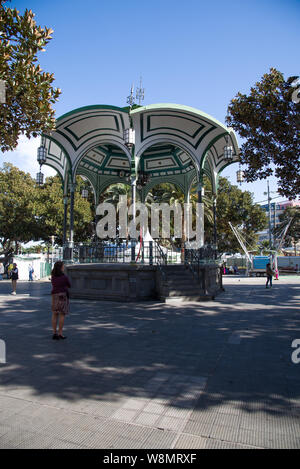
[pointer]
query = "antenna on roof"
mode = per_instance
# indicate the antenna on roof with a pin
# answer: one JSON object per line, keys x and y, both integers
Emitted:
{"x": 140, "y": 92}
{"x": 130, "y": 98}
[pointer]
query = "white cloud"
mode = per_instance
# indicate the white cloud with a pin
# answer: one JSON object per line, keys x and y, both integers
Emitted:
{"x": 24, "y": 157}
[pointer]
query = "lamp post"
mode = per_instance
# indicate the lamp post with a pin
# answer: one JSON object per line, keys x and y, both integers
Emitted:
{"x": 269, "y": 210}
{"x": 65, "y": 220}
{"x": 129, "y": 140}
{"x": 52, "y": 253}
{"x": 72, "y": 197}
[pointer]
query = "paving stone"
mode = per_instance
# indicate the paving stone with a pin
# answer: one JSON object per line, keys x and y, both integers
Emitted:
{"x": 146, "y": 418}
{"x": 15, "y": 438}
{"x": 116, "y": 434}
{"x": 224, "y": 432}
{"x": 159, "y": 439}
{"x": 198, "y": 387}
{"x": 227, "y": 420}
{"x": 170, "y": 423}
{"x": 126, "y": 415}
{"x": 198, "y": 428}
{"x": 190, "y": 442}
{"x": 70, "y": 433}
{"x": 177, "y": 412}
{"x": 203, "y": 416}
{"x": 4, "y": 429}
{"x": 62, "y": 444}
{"x": 37, "y": 441}
{"x": 252, "y": 438}
{"x": 102, "y": 409}
{"x": 135, "y": 404}
{"x": 154, "y": 408}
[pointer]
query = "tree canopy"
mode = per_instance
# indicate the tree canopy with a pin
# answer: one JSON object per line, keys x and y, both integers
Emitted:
{"x": 29, "y": 94}
{"x": 18, "y": 209}
{"x": 269, "y": 121}
{"x": 51, "y": 211}
{"x": 233, "y": 205}
{"x": 32, "y": 213}
{"x": 236, "y": 206}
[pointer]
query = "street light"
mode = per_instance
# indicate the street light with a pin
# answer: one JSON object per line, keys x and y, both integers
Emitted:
{"x": 39, "y": 178}
{"x": 240, "y": 177}
{"x": 84, "y": 193}
{"x": 41, "y": 158}
{"x": 129, "y": 137}
{"x": 41, "y": 155}
{"x": 228, "y": 151}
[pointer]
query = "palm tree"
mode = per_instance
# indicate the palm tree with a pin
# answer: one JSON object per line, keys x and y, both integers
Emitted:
{"x": 112, "y": 196}
{"x": 113, "y": 192}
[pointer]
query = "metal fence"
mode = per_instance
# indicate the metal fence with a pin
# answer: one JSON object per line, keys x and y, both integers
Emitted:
{"x": 147, "y": 252}
{"x": 45, "y": 269}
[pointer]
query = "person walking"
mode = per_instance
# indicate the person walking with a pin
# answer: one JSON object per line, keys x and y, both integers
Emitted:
{"x": 1, "y": 271}
{"x": 60, "y": 299}
{"x": 14, "y": 275}
{"x": 269, "y": 273}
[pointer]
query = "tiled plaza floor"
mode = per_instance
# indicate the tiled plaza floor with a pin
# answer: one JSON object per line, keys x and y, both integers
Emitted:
{"x": 217, "y": 374}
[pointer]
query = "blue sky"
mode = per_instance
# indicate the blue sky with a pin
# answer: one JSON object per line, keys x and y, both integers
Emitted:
{"x": 195, "y": 53}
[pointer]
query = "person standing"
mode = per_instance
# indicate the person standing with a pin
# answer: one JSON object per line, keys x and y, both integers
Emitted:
{"x": 1, "y": 271}
{"x": 269, "y": 273}
{"x": 14, "y": 275}
{"x": 30, "y": 271}
{"x": 60, "y": 299}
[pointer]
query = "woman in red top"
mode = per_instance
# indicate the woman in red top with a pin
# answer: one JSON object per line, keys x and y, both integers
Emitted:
{"x": 60, "y": 298}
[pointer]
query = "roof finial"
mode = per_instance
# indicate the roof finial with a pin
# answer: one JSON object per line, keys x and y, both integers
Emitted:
{"x": 140, "y": 92}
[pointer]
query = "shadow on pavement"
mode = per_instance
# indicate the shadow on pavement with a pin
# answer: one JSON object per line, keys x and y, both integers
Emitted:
{"x": 113, "y": 350}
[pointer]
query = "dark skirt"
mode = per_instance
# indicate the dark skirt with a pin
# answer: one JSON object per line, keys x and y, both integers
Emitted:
{"x": 60, "y": 303}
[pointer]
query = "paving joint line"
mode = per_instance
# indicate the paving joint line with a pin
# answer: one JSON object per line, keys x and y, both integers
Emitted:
{"x": 233, "y": 442}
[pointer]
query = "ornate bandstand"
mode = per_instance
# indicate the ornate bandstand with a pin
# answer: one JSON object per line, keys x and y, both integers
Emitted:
{"x": 143, "y": 147}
